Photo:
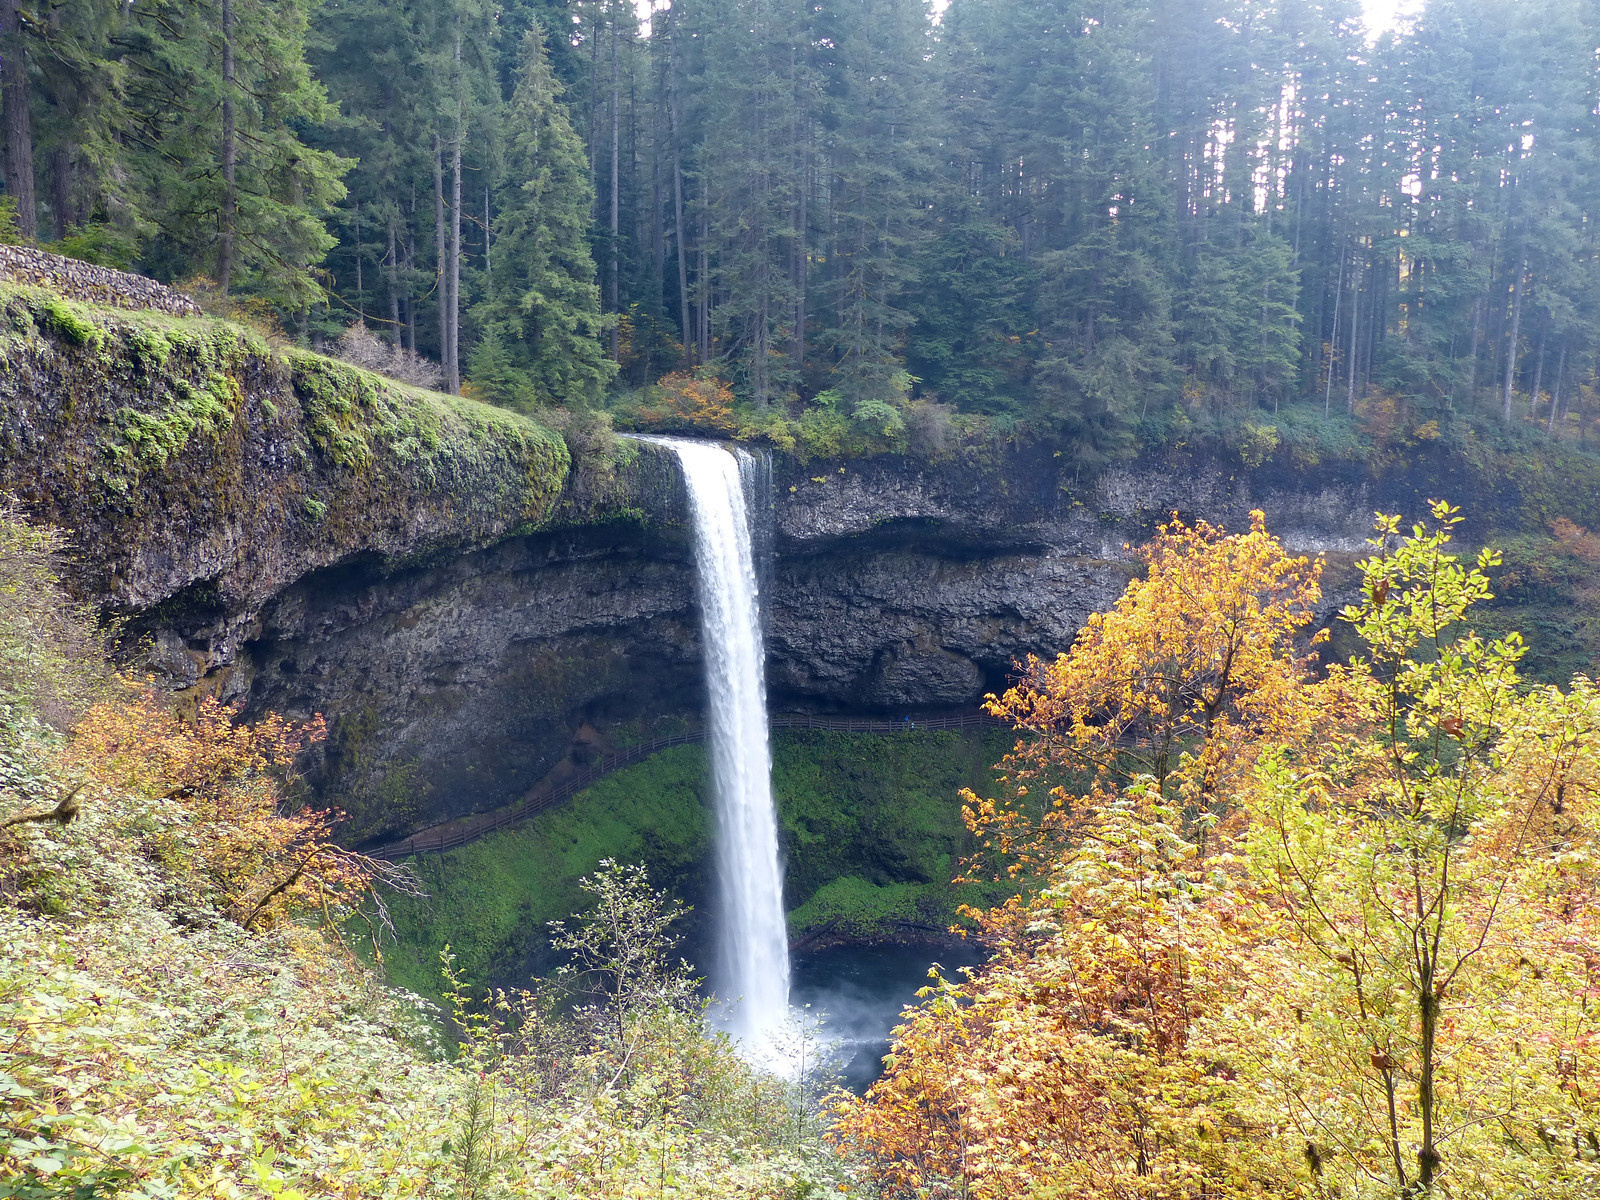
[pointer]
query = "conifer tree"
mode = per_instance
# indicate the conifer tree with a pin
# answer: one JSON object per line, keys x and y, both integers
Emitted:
{"x": 261, "y": 228}
{"x": 541, "y": 321}
{"x": 881, "y": 127}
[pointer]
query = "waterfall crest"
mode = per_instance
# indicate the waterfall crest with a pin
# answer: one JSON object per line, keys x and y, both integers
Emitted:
{"x": 753, "y": 944}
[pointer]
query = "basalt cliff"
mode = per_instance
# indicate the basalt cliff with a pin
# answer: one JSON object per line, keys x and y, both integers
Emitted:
{"x": 473, "y": 607}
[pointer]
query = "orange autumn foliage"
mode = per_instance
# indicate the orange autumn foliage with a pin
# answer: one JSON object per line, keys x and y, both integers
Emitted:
{"x": 691, "y": 400}
{"x": 1195, "y": 667}
{"x": 1577, "y": 541}
{"x": 1069, "y": 1057}
{"x": 1359, "y": 962}
{"x": 236, "y": 834}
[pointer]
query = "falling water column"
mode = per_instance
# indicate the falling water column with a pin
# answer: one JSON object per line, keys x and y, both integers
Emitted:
{"x": 754, "y": 944}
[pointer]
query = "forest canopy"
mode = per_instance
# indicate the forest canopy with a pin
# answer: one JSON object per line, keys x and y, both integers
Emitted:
{"x": 1082, "y": 220}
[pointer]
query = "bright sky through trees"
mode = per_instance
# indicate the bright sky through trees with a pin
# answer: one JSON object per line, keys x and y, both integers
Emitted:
{"x": 1381, "y": 15}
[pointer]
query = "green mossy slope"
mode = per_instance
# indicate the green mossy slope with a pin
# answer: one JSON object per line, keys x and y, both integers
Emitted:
{"x": 871, "y": 830}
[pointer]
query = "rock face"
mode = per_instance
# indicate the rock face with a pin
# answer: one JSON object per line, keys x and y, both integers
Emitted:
{"x": 892, "y": 586}
{"x": 902, "y": 585}
{"x": 472, "y": 613}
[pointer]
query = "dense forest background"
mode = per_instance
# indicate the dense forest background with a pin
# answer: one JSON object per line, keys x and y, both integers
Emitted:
{"x": 1072, "y": 219}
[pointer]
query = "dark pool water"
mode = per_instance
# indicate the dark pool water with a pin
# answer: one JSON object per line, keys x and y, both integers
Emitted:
{"x": 860, "y": 990}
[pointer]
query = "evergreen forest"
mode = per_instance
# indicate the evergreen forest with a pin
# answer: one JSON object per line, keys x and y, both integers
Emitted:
{"x": 1081, "y": 222}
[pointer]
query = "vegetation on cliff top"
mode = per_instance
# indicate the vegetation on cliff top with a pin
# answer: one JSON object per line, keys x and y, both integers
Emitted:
{"x": 120, "y": 397}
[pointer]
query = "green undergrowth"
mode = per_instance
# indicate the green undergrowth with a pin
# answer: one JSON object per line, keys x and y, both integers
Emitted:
{"x": 872, "y": 828}
{"x": 871, "y": 833}
{"x": 491, "y": 899}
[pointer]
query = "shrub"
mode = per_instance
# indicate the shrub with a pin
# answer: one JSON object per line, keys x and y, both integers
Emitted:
{"x": 692, "y": 401}
{"x": 361, "y": 347}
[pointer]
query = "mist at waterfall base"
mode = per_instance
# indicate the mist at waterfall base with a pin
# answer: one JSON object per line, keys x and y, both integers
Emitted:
{"x": 752, "y": 959}
{"x": 854, "y": 996}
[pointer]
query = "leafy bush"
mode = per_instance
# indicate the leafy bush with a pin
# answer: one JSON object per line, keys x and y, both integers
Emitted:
{"x": 687, "y": 402}
{"x": 50, "y": 651}
{"x": 103, "y": 245}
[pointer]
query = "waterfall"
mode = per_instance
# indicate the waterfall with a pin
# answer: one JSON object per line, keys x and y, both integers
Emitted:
{"x": 753, "y": 946}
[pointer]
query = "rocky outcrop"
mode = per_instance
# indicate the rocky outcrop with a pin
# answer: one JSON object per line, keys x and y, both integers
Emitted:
{"x": 92, "y": 284}
{"x": 901, "y": 584}
{"x": 202, "y": 472}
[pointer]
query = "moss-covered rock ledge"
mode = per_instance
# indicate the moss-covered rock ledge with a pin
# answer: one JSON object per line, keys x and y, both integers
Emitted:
{"x": 197, "y": 465}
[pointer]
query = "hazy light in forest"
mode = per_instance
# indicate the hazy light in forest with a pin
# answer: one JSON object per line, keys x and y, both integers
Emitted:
{"x": 1380, "y": 16}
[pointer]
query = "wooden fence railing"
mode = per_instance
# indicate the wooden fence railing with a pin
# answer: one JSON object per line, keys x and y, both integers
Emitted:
{"x": 459, "y": 832}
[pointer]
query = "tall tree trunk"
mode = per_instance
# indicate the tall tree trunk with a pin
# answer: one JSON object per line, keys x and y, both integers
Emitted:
{"x": 677, "y": 190}
{"x": 488, "y": 263}
{"x": 441, "y": 288}
{"x": 1472, "y": 353}
{"x": 804, "y": 265}
{"x": 1511, "y": 343}
{"x": 1555, "y": 400}
{"x": 1538, "y": 378}
{"x": 392, "y": 260}
{"x": 1333, "y": 337}
{"x": 594, "y": 124}
{"x": 230, "y": 197}
{"x": 454, "y": 375}
{"x": 1355, "y": 325}
{"x": 616, "y": 149}
{"x": 411, "y": 266}
{"x": 361, "y": 289}
{"x": 703, "y": 280}
{"x": 14, "y": 94}
{"x": 410, "y": 275}
{"x": 658, "y": 224}
{"x": 453, "y": 370}
{"x": 61, "y": 213}
{"x": 1375, "y": 308}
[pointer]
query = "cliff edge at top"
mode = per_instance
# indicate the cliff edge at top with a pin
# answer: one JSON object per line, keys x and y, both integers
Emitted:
{"x": 196, "y": 464}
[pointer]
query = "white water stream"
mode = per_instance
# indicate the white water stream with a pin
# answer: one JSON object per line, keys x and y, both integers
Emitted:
{"x": 752, "y": 974}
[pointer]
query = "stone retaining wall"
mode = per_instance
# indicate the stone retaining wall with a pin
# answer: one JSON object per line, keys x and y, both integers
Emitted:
{"x": 95, "y": 285}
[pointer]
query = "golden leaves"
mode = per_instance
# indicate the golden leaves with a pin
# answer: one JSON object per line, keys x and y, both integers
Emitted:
{"x": 227, "y": 783}
{"x": 1195, "y": 668}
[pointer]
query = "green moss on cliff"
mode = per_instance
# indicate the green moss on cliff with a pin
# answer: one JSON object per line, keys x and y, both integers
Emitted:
{"x": 490, "y": 900}
{"x": 872, "y": 828}
{"x": 871, "y": 831}
{"x": 156, "y": 438}
{"x": 131, "y": 403}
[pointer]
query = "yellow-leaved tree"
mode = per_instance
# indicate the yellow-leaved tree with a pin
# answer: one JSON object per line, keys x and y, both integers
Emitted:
{"x": 1426, "y": 1020}
{"x": 1065, "y": 1063}
{"x": 1324, "y": 938}
{"x": 1194, "y": 669}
